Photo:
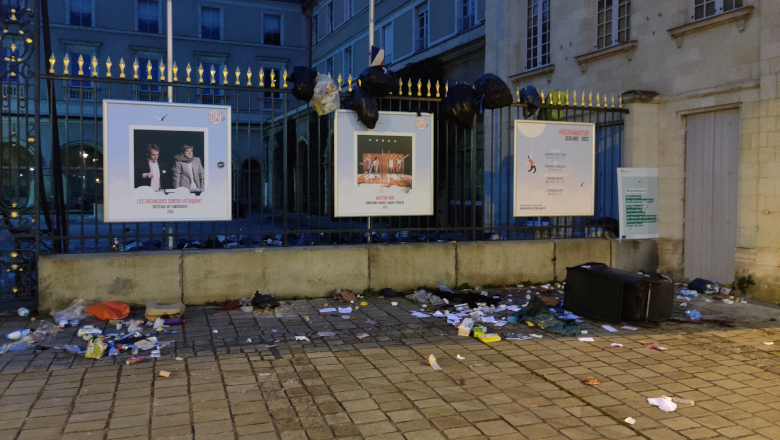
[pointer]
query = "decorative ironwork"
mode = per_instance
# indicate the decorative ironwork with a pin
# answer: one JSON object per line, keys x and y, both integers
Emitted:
{"x": 19, "y": 152}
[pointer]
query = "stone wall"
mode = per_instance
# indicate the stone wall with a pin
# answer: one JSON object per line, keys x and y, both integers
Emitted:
{"x": 201, "y": 276}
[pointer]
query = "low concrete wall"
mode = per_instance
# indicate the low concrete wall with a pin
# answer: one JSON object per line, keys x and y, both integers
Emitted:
{"x": 201, "y": 276}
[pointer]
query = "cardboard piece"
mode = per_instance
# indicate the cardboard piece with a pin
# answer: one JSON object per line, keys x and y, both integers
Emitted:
{"x": 154, "y": 310}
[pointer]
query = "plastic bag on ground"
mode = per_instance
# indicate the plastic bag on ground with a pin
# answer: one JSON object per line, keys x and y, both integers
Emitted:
{"x": 365, "y": 107}
{"x": 459, "y": 106}
{"x": 264, "y": 302}
{"x": 536, "y": 313}
{"x": 531, "y": 98}
{"x": 73, "y": 312}
{"x": 106, "y": 311}
{"x": 326, "y": 95}
{"x": 41, "y": 334}
{"x": 419, "y": 296}
{"x": 344, "y": 296}
{"x": 378, "y": 81}
{"x": 305, "y": 80}
{"x": 443, "y": 287}
{"x": 154, "y": 310}
{"x": 492, "y": 92}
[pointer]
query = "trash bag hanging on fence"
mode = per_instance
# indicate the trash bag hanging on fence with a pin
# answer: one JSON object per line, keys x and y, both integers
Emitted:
{"x": 378, "y": 81}
{"x": 492, "y": 92}
{"x": 459, "y": 104}
{"x": 326, "y": 95}
{"x": 304, "y": 79}
{"x": 531, "y": 98}
{"x": 365, "y": 107}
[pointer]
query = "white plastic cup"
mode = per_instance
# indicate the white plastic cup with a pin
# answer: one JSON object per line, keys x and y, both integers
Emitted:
{"x": 24, "y": 312}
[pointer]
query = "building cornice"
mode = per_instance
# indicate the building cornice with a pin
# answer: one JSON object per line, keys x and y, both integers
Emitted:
{"x": 545, "y": 71}
{"x": 628, "y": 48}
{"x": 739, "y": 16}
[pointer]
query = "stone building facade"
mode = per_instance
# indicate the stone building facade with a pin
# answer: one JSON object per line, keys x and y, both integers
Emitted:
{"x": 701, "y": 79}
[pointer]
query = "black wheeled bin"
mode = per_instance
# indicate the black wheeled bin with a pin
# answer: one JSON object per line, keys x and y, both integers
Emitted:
{"x": 597, "y": 291}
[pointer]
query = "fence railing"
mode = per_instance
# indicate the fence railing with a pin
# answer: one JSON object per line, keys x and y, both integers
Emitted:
{"x": 283, "y": 193}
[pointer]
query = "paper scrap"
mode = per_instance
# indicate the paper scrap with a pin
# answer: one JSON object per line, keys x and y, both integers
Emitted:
{"x": 586, "y": 339}
{"x": 420, "y": 315}
{"x": 615, "y": 344}
{"x": 438, "y": 313}
{"x": 769, "y": 343}
{"x": 628, "y": 327}
{"x": 490, "y": 319}
{"x": 683, "y": 304}
{"x": 326, "y": 334}
{"x": 664, "y": 403}
{"x": 432, "y": 362}
{"x": 609, "y": 328}
{"x": 143, "y": 345}
{"x": 328, "y": 310}
{"x": 460, "y": 358}
{"x": 584, "y": 332}
{"x": 345, "y": 310}
{"x": 499, "y": 324}
{"x": 630, "y": 420}
{"x": 363, "y": 336}
{"x": 533, "y": 335}
{"x": 301, "y": 338}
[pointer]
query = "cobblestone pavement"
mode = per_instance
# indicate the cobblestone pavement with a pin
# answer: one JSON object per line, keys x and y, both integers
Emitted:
{"x": 381, "y": 388}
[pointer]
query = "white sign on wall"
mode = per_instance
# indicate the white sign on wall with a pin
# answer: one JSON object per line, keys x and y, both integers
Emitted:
{"x": 554, "y": 169}
{"x": 166, "y": 162}
{"x": 638, "y": 202}
{"x": 386, "y": 171}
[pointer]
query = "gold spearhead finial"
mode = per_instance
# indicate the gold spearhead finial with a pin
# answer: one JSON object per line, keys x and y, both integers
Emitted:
{"x": 429, "y": 89}
{"x": 175, "y": 72}
{"x": 81, "y": 65}
{"x": 249, "y": 76}
{"x": 52, "y": 61}
{"x": 135, "y": 68}
{"x": 419, "y": 87}
{"x": 200, "y": 72}
{"x": 149, "y": 70}
{"x": 273, "y": 78}
{"x": 598, "y": 100}
{"x": 339, "y": 79}
{"x": 409, "y": 87}
{"x": 262, "y": 74}
{"x": 349, "y": 82}
{"x": 620, "y": 100}
{"x": 213, "y": 72}
{"x": 400, "y": 87}
{"x": 94, "y": 65}
{"x": 437, "y": 89}
{"x": 567, "y": 98}
{"x": 225, "y": 75}
{"x": 122, "y": 67}
{"x": 517, "y": 92}
{"x": 108, "y": 67}
{"x": 238, "y": 76}
{"x": 613, "y": 100}
{"x": 590, "y": 99}
{"x": 543, "y": 101}
{"x": 446, "y": 88}
{"x": 284, "y": 78}
{"x": 162, "y": 71}
{"x": 575, "y": 98}
{"x": 583, "y": 99}
{"x": 188, "y": 70}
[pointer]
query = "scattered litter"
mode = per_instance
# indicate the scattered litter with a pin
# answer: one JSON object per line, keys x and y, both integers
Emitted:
{"x": 489, "y": 319}
{"x": 465, "y": 327}
{"x": 693, "y": 314}
{"x": 664, "y": 403}
{"x": 586, "y": 339}
{"x": 460, "y": 358}
{"x": 654, "y": 346}
{"x": 683, "y": 304}
{"x": 164, "y": 373}
{"x": 105, "y": 311}
{"x": 630, "y": 420}
{"x": 420, "y": 315}
{"x": 179, "y": 358}
{"x": 344, "y": 310}
{"x": 499, "y": 324}
{"x": 609, "y": 328}
{"x": 727, "y": 301}
{"x": 344, "y": 296}
{"x": 363, "y": 303}
{"x": 628, "y": 327}
{"x": 432, "y": 362}
{"x": 302, "y": 338}
{"x": 424, "y": 297}
{"x": 393, "y": 303}
{"x": 328, "y": 310}
{"x": 215, "y": 331}
{"x": 96, "y": 348}
{"x": 135, "y": 359}
{"x": 489, "y": 337}
{"x": 681, "y": 401}
{"x": 591, "y": 381}
{"x": 443, "y": 287}
{"x": 144, "y": 344}
{"x": 370, "y": 321}
{"x": 769, "y": 343}
{"x": 326, "y": 334}
{"x": 615, "y": 344}
{"x": 273, "y": 330}
{"x": 363, "y": 336}
{"x": 155, "y": 354}
{"x": 154, "y": 310}
{"x": 249, "y": 340}
{"x": 478, "y": 364}
{"x": 534, "y": 335}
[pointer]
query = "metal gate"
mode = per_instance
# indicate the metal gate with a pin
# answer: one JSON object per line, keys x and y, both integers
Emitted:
{"x": 282, "y": 164}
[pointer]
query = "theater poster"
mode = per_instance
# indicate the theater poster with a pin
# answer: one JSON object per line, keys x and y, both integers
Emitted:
{"x": 386, "y": 171}
{"x": 166, "y": 162}
{"x": 638, "y": 202}
{"x": 554, "y": 169}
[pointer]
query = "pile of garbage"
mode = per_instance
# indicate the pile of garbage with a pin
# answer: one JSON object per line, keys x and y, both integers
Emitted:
{"x": 257, "y": 303}
{"x": 136, "y": 336}
{"x": 541, "y": 310}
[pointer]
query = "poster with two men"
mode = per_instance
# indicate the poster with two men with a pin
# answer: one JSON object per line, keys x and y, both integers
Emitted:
{"x": 166, "y": 162}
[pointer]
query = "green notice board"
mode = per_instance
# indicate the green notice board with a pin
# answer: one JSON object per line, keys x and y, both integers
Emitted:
{"x": 638, "y": 202}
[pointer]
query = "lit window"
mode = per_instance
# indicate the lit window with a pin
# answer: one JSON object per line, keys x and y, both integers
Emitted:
{"x": 148, "y": 18}
{"x": 209, "y": 23}
{"x": 538, "y": 34}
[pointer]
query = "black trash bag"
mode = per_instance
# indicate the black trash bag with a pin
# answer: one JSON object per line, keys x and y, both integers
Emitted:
{"x": 378, "y": 81}
{"x": 304, "y": 79}
{"x": 699, "y": 285}
{"x": 365, "y": 106}
{"x": 492, "y": 92}
{"x": 530, "y": 96}
{"x": 264, "y": 302}
{"x": 459, "y": 104}
{"x": 537, "y": 313}
{"x": 388, "y": 292}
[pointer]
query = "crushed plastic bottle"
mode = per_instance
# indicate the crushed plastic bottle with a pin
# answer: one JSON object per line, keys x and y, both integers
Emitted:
{"x": 681, "y": 401}
{"x": 693, "y": 314}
